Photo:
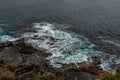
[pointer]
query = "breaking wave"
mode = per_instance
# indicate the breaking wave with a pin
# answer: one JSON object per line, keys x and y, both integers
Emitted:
{"x": 65, "y": 47}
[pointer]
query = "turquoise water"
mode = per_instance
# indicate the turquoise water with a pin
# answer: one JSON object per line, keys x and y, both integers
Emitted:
{"x": 2, "y": 32}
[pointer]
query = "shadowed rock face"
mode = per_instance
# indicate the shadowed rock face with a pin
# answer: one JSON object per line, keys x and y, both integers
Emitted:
{"x": 20, "y": 57}
{"x": 17, "y": 53}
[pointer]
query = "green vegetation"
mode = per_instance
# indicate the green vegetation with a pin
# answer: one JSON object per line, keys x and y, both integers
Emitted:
{"x": 113, "y": 77}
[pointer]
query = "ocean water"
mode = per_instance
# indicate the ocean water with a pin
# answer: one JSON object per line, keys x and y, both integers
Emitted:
{"x": 2, "y": 32}
{"x": 66, "y": 21}
{"x": 83, "y": 15}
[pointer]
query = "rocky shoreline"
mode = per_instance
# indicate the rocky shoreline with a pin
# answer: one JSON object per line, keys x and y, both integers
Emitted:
{"x": 19, "y": 61}
{"x": 26, "y": 57}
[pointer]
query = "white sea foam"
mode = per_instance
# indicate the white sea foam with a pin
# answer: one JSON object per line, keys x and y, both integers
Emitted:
{"x": 109, "y": 63}
{"x": 5, "y": 38}
{"x": 69, "y": 47}
{"x": 65, "y": 47}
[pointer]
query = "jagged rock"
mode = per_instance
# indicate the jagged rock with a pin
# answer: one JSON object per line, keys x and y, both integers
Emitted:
{"x": 24, "y": 62}
{"x": 96, "y": 60}
{"x": 20, "y": 57}
{"x": 12, "y": 55}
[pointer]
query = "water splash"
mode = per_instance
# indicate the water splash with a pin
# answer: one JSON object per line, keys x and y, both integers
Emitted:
{"x": 65, "y": 47}
{"x": 5, "y": 38}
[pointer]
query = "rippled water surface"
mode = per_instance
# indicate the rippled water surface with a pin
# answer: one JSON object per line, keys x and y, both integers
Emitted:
{"x": 84, "y": 15}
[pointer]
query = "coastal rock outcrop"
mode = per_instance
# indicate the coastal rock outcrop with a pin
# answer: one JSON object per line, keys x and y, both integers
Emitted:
{"x": 19, "y": 60}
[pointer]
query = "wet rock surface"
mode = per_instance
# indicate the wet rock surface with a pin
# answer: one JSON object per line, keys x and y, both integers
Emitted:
{"x": 19, "y": 61}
